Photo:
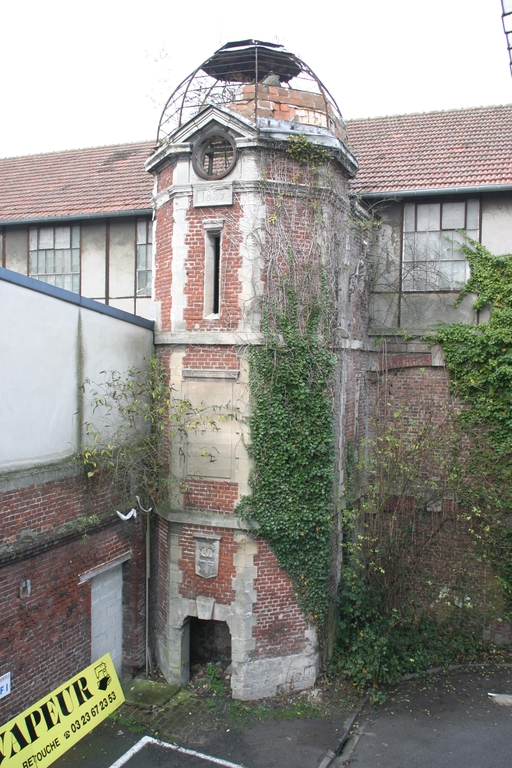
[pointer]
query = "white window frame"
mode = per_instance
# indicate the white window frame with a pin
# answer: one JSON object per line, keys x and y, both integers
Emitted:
{"x": 144, "y": 258}
{"x": 431, "y": 256}
{"x": 55, "y": 255}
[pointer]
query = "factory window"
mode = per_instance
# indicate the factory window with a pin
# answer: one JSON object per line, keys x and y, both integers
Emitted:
{"x": 54, "y": 254}
{"x": 144, "y": 256}
{"x": 431, "y": 258}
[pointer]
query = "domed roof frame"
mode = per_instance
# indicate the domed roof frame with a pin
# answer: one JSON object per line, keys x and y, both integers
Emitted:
{"x": 218, "y": 81}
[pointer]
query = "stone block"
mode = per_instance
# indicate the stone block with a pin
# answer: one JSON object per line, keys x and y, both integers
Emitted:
{"x": 205, "y": 606}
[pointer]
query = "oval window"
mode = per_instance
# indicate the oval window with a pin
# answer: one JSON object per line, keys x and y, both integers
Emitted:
{"x": 214, "y": 155}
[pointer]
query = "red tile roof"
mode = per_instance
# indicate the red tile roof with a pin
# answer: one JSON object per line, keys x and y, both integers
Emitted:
{"x": 433, "y": 150}
{"x": 78, "y": 182}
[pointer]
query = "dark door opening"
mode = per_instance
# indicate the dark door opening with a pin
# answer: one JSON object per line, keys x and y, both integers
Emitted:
{"x": 210, "y": 643}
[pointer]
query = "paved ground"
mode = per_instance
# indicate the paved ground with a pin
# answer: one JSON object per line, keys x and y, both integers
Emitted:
{"x": 289, "y": 731}
{"x": 439, "y": 721}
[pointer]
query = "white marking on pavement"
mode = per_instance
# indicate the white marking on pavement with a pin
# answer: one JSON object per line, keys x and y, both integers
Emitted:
{"x": 150, "y": 740}
{"x": 503, "y": 699}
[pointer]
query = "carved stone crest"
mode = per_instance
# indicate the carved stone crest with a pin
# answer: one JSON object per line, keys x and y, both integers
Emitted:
{"x": 207, "y": 555}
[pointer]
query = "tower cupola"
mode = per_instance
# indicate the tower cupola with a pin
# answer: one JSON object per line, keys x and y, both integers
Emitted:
{"x": 259, "y": 81}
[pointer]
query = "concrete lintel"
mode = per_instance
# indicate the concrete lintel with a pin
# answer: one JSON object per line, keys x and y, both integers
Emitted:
{"x": 355, "y": 344}
{"x": 102, "y": 568}
{"x": 201, "y": 373}
{"x": 212, "y": 194}
{"x": 177, "y": 190}
{"x": 201, "y": 517}
{"x": 48, "y": 473}
{"x": 205, "y": 338}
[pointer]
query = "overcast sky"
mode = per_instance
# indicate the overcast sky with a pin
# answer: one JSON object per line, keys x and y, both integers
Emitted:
{"x": 78, "y": 74}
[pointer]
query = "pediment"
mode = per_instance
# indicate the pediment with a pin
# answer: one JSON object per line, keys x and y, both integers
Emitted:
{"x": 209, "y": 119}
{"x": 212, "y": 118}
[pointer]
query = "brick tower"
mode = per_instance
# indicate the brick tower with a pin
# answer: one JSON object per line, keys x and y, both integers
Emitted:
{"x": 219, "y": 168}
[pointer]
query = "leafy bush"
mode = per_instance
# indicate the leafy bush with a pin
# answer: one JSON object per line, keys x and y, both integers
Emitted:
{"x": 376, "y": 647}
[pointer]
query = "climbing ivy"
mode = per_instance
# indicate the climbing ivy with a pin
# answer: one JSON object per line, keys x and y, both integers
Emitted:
{"x": 479, "y": 361}
{"x": 292, "y": 445}
{"x": 291, "y": 375}
{"x": 479, "y": 358}
{"x": 306, "y": 152}
{"x": 137, "y": 418}
{"x": 398, "y": 502}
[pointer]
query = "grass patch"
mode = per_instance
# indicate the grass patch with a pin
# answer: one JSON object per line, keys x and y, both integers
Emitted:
{"x": 216, "y": 684}
{"x": 299, "y": 710}
{"x": 239, "y": 713}
{"x": 129, "y": 722}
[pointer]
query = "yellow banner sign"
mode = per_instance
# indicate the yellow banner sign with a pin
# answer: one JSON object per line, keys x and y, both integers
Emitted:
{"x": 41, "y": 734}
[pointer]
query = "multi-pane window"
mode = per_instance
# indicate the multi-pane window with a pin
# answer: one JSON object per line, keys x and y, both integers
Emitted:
{"x": 55, "y": 256}
{"x": 144, "y": 256}
{"x": 431, "y": 259}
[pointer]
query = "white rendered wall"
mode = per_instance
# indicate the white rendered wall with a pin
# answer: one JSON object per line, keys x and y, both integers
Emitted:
{"x": 497, "y": 223}
{"x": 47, "y": 348}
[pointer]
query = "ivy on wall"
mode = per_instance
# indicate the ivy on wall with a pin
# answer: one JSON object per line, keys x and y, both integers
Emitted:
{"x": 403, "y": 607}
{"x": 291, "y": 376}
{"x": 479, "y": 358}
{"x": 292, "y": 445}
{"x": 479, "y": 361}
{"x": 137, "y": 421}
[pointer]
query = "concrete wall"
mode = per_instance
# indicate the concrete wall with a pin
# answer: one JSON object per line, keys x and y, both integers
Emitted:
{"x": 49, "y": 346}
{"x": 107, "y": 260}
{"x": 415, "y": 312}
{"x": 497, "y": 222}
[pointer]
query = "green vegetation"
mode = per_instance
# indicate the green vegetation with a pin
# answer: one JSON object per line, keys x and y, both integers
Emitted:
{"x": 306, "y": 152}
{"x": 137, "y": 420}
{"x": 216, "y": 683}
{"x": 128, "y": 721}
{"x": 291, "y": 378}
{"x": 396, "y": 617}
{"x": 479, "y": 360}
{"x": 292, "y": 446}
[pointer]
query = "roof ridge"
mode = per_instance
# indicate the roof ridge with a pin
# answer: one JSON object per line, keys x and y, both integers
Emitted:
{"x": 81, "y": 149}
{"x": 454, "y": 110}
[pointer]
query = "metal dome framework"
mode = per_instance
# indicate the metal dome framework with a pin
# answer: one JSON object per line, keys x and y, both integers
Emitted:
{"x": 220, "y": 79}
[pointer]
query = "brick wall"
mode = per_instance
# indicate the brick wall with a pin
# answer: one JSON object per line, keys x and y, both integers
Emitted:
{"x": 165, "y": 178}
{"x": 211, "y": 495}
{"x": 280, "y": 626}
{"x": 211, "y": 357}
{"x": 230, "y": 264}
{"x": 41, "y": 507}
{"x": 221, "y": 587}
{"x": 45, "y": 637}
{"x": 441, "y": 551}
{"x": 163, "y": 255}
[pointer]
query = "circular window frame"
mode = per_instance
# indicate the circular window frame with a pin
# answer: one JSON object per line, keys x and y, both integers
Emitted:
{"x": 198, "y": 160}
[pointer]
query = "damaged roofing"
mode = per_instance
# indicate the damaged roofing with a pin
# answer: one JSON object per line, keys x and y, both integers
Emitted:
{"x": 76, "y": 183}
{"x": 461, "y": 148}
{"x": 433, "y": 150}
